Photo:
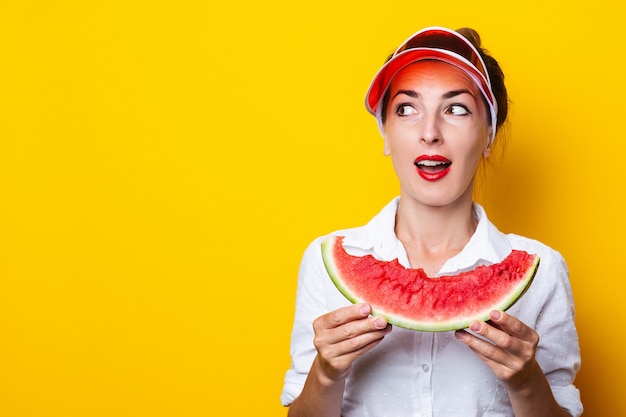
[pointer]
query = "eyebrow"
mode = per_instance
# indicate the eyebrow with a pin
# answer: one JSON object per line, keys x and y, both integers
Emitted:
{"x": 409, "y": 93}
{"x": 455, "y": 93}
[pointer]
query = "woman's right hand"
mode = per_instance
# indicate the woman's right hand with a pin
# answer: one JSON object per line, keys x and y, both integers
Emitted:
{"x": 343, "y": 335}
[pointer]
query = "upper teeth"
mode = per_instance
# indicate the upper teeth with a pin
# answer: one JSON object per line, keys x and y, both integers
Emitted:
{"x": 431, "y": 163}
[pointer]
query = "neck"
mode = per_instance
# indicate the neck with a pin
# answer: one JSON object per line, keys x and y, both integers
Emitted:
{"x": 432, "y": 235}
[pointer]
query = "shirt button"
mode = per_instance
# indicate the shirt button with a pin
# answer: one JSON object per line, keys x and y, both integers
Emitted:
{"x": 425, "y": 368}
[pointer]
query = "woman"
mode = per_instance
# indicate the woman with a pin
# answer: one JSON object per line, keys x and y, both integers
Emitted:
{"x": 439, "y": 100}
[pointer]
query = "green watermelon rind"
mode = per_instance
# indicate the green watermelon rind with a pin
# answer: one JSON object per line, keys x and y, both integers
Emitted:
{"x": 462, "y": 322}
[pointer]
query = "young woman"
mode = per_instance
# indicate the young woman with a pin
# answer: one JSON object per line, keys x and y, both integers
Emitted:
{"x": 439, "y": 100}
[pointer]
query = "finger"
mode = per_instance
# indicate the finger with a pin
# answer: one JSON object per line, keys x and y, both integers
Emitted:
{"x": 337, "y": 359}
{"x": 513, "y": 326}
{"x": 360, "y": 327}
{"x": 499, "y": 337}
{"x": 339, "y": 349}
{"x": 487, "y": 350}
{"x": 346, "y": 323}
{"x": 343, "y": 315}
{"x": 498, "y": 344}
{"x": 509, "y": 360}
{"x": 362, "y": 340}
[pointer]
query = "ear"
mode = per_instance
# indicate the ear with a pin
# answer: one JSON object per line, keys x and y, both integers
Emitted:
{"x": 381, "y": 129}
{"x": 487, "y": 150}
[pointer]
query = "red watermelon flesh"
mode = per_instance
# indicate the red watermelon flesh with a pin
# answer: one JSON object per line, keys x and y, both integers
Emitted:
{"x": 408, "y": 298}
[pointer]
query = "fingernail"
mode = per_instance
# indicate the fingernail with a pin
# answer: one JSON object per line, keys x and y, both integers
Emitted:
{"x": 496, "y": 315}
{"x": 459, "y": 334}
{"x": 365, "y": 309}
{"x": 476, "y": 326}
{"x": 380, "y": 323}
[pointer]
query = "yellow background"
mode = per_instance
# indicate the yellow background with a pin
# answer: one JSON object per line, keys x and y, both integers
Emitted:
{"x": 164, "y": 164}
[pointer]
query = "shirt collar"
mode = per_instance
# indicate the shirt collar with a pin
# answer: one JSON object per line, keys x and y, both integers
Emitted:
{"x": 378, "y": 236}
{"x": 486, "y": 246}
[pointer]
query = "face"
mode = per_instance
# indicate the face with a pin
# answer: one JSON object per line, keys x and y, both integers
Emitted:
{"x": 436, "y": 131}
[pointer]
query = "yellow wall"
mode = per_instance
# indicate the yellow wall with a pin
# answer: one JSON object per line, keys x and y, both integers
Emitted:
{"x": 164, "y": 164}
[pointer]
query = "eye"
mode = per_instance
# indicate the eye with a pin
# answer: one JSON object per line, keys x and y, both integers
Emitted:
{"x": 405, "y": 110}
{"x": 458, "y": 110}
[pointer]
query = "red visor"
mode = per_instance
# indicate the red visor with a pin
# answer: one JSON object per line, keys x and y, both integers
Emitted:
{"x": 440, "y": 44}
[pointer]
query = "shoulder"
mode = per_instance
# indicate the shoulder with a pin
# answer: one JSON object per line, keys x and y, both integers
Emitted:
{"x": 552, "y": 280}
{"x": 548, "y": 256}
{"x": 501, "y": 243}
{"x": 313, "y": 250}
{"x": 550, "y": 290}
{"x": 379, "y": 231}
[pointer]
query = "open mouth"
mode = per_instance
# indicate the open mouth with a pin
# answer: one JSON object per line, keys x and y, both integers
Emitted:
{"x": 432, "y": 167}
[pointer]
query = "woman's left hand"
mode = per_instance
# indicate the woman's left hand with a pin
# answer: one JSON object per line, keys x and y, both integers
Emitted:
{"x": 511, "y": 355}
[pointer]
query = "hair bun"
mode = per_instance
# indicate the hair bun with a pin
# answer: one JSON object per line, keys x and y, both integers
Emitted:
{"x": 472, "y": 35}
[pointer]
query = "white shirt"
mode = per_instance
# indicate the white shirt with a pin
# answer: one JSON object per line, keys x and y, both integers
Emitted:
{"x": 413, "y": 373}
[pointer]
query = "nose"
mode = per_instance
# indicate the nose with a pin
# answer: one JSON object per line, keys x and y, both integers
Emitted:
{"x": 431, "y": 132}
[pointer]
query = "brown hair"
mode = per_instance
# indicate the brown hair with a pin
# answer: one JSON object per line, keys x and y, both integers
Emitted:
{"x": 495, "y": 74}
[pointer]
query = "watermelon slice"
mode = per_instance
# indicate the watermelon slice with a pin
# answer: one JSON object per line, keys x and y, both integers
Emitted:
{"x": 408, "y": 298}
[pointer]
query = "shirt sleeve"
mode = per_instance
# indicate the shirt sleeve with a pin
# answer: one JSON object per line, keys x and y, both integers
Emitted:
{"x": 558, "y": 352}
{"x": 310, "y": 304}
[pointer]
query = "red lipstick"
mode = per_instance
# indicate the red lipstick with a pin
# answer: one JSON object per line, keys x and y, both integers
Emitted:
{"x": 432, "y": 167}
